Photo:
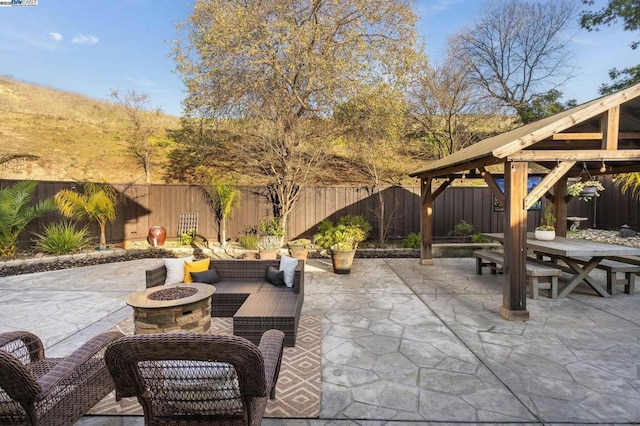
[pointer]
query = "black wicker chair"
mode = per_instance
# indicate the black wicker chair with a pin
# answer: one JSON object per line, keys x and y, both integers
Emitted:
{"x": 189, "y": 378}
{"x": 35, "y": 390}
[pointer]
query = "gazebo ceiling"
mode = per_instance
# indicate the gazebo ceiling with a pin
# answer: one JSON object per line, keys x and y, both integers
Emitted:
{"x": 605, "y": 130}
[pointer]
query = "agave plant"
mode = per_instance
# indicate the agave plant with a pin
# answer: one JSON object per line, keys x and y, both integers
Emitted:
{"x": 16, "y": 212}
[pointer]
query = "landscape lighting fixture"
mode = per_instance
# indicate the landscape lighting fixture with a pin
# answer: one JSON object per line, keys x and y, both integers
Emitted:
{"x": 603, "y": 168}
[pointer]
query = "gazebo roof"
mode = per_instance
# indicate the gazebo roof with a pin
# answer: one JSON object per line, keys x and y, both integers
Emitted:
{"x": 606, "y": 129}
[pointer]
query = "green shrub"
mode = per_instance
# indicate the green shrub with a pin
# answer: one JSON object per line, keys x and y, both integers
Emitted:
{"x": 271, "y": 227}
{"x": 63, "y": 238}
{"x": 345, "y": 235}
{"x": 358, "y": 221}
{"x": 463, "y": 229}
{"x": 249, "y": 242}
{"x": 413, "y": 240}
{"x": 187, "y": 237}
{"x": 478, "y": 238}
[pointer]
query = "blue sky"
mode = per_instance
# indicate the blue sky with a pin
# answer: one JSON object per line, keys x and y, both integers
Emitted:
{"x": 93, "y": 46}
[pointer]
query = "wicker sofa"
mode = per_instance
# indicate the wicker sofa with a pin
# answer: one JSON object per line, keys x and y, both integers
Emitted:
{"x": 244, "y": 294}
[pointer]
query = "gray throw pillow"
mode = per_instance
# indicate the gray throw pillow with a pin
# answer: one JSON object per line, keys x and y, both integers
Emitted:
{"x": 210, "y": 276}
{"x": 275, "y": 277}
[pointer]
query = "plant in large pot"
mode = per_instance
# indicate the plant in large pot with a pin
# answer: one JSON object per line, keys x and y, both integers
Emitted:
{"x": 271, "y": 238}
{"x": 299, "y": 248}
{"x": 268, "y": 247}
{"x": 546, "y": 231}
{"x": 342, "y": 240}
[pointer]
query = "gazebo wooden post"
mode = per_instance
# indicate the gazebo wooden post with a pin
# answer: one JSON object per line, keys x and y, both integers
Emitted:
{"x": 560, "y": 206}
{"x": 514, "y": 295}
{"x": 426, "y": 228}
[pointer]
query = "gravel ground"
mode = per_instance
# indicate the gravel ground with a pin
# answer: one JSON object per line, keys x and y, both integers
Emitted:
{"x": 24, "y": 266}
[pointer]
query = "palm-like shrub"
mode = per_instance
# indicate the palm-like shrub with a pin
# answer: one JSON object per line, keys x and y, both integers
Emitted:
{"x": 96, "y": 203}
{"x": 63, "y": 238}
{"x": 16, "y": 212}
{"x": 225, "y": 198}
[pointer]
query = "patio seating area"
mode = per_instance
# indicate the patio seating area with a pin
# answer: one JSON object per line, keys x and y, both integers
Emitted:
{"x": 401, "y": 342}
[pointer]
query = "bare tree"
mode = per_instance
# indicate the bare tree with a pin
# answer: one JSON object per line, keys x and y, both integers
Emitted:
{"x": 447, "y": 110}
{"x": 278, "y": 68}
{"x": 518, "y": 49}
{"x": 143, "y": 139}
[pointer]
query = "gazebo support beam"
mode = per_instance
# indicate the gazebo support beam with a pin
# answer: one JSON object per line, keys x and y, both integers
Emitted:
{"x": 514, "y": 294}
{"x": 560, "y": 206}
{"x": 426, "y": 228}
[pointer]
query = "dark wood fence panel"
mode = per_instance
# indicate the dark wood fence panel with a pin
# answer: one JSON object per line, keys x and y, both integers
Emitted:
{"x": 143, "y": 206}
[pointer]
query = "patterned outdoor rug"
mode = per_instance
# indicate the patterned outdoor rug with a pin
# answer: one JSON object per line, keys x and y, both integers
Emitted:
{"x": 299, "y": 385}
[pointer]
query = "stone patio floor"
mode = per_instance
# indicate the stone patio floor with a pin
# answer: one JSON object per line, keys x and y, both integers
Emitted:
{"x": 402, "y": 343}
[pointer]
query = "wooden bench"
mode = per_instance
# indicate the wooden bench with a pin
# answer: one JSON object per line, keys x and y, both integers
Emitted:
{"x": 535, "y": 271}
{"x": 629, "y": 266}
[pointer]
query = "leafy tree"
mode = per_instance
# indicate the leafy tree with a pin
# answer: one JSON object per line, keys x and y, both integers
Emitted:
{"x": 629, "y": 12}
{"x": 274, "y": 70}
{"x": 143, "y": 139}
{"x": 225, "y": 198}
{"x": 517, "y": 49}
{"x": 542, "y": 106}
{"x": 375, "y": 122}
{"x": 97, "y": 203}
{"x": 16, "y": 212}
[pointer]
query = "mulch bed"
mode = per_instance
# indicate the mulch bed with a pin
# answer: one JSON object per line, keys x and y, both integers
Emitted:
{"x": 83, "y": 261}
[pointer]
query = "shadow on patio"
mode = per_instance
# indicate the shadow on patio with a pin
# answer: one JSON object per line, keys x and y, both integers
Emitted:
{"x": 401, "y": 342}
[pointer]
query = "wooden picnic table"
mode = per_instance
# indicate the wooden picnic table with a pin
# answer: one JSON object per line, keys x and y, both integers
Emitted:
{"x": 574, "y": 251}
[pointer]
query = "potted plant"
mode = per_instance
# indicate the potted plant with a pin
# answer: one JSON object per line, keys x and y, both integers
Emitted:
{"x": 271, "y": 227}
{"x": 271, "y": 235}
{"x": 342, "y": 240}
{"x": 546, "y": 231}
{"x": 268, "y": 247}
{"x": 299, "y": 248}
{"x": 585, "y": 190}
{"x": 249, "y": 242}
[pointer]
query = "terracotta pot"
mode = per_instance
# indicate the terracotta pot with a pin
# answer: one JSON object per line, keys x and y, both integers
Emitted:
{"x": 268, "y": 254}
{"x": 342, "y": 260}
{"x": 157, "y": 235}
{"x": 250, "y": 255}
{"x": 299, "y": 252}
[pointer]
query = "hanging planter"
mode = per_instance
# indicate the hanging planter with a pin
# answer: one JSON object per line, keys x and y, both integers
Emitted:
{"x": 586, "y": 190}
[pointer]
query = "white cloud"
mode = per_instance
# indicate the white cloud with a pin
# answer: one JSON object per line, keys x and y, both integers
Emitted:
{"x": 141, "y": 82}
{"x": 86, "y": 40}
{"x": 56, "y": 36}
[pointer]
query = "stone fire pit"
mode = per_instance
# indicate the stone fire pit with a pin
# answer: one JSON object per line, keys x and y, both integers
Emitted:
{"x": 172, "y": 308}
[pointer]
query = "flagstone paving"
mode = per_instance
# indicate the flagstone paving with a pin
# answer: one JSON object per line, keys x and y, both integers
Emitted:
{"x": 402, "y": 343}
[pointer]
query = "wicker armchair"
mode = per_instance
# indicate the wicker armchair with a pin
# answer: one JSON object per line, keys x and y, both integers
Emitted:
{"x": 35, "y": 390}
{"x": 188, "y": 378}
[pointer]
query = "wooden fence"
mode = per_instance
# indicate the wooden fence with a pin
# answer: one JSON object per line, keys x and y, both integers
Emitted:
{"x": 143, "y": 206}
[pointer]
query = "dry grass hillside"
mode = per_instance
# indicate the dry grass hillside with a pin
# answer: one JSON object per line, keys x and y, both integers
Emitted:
{"x": 74, "y": 137}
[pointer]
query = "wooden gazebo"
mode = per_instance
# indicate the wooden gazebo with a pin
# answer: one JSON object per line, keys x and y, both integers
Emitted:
{"x": 601, "y": 136}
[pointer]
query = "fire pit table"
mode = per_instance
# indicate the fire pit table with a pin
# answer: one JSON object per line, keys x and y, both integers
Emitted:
{"x": 171, "y": 308}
